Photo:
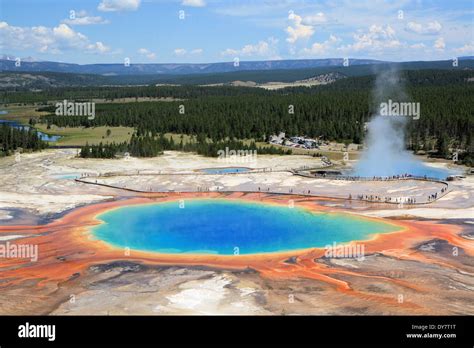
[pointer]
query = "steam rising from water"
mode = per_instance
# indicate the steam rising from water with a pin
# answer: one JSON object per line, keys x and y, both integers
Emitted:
{"x": 385, "y": 141}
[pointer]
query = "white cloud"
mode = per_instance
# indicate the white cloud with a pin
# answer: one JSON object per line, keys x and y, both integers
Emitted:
{"x": 183, "y": 52}
{"x": 81, "y": 18}
{"x": 264, "y": 48}
{"x": 344, "y": 18}
{"x": 65, "y": 32}
{"x": 230, "y": 52}
{"x": 467, "y": 48}
{"x": 439, "y": 44}
{"x": 320, "y": 48}
{"x": 194, "y": 3}
{"x": 147, "y": 53}
{"x": 429, "y": 28}
{"x": 418, "y": 45}
{"x": 297, "y": 30}
{"x": 315, "y": 19}
{"x": 118, "y": 5}
{"x": 98, "y": 47}
{"x": 377, "y": 38}
{"x": 180, "y": 51}
{"x": 43, "y": 39}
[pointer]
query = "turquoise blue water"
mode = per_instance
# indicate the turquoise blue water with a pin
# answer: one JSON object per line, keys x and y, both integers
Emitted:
{"x": 413, "y": 168}
{"x": 69, "y": 176}
{"x": 227, "y": 170}
{"x": 219, "y": 226}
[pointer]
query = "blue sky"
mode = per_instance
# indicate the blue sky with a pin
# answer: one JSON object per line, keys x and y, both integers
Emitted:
{"x": 151, "y": 31}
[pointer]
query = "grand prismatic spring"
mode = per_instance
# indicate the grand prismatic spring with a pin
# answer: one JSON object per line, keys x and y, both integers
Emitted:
{"x": 219, "y": 227}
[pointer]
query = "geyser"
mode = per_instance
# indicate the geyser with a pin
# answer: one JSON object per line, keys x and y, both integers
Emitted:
{"x": 385, "y": 153}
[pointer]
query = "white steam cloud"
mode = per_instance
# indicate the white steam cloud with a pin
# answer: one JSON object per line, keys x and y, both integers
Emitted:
{"x": 386, "y": 154}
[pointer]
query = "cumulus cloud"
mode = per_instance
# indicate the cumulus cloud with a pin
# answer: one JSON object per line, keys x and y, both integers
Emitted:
{"x": 376, "y": 38}
{"x": 297, "y": 30}
{"x": 44, "y": 39}
{"x": 118, "y": 5}
{"x": 197, "y": 51}
{"x": 230, "y": 52}
{"x": 264, "y": 48}
{"x": 321, "y": 48}
{"x": 81, "y": 18}
{"x": 467, "y": 48}
{"x": 147, "y": 53}
{"x": 98, "y": 47}
{"x": 180, "y": 51}
{"x": 428, "y": 28}
{"x": 194, "y": 3}
{"x": 439, "y": 44}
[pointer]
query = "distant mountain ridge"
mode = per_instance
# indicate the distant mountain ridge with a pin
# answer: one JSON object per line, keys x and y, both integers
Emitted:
{"x": 15, "y": 79}
{"x": 7, "y": 63}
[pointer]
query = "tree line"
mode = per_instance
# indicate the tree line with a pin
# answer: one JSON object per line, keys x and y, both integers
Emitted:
{"x": 445, "y": 111}
{"x": 151, "y": 146}
{"x": 12, "y": 139}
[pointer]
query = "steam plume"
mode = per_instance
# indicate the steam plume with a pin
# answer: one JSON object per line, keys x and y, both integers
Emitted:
{"x": 385, "y": 141}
